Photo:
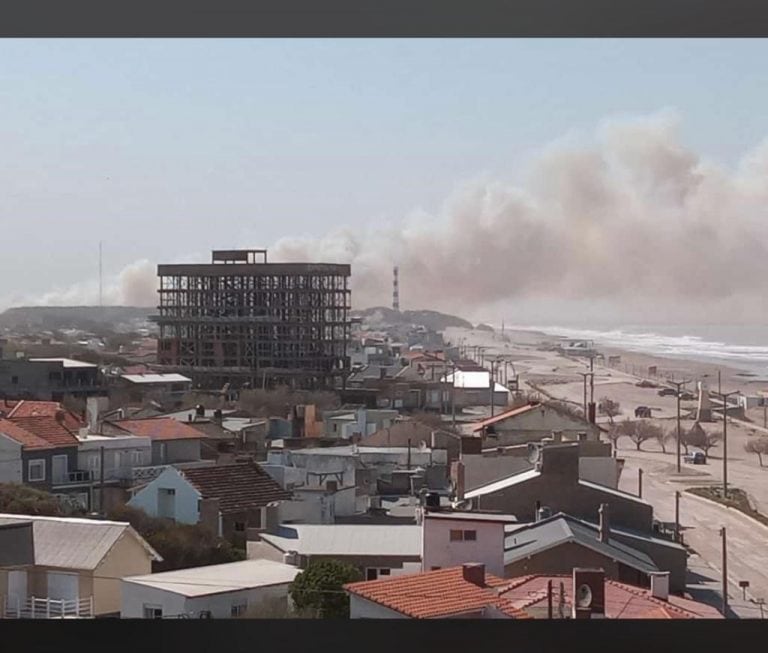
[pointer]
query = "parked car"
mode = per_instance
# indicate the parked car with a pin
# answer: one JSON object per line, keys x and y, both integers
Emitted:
{"x": 687, "y": 396}
{"x": 667, "y": 392}
{"x": 695, "y": 458}
{"x": 643, "y": 411}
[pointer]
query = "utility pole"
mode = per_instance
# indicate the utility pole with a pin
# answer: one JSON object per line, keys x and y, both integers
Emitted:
{"x": 492, "y": 384}
{"x": 725, "y": 396}
{"x": 678, "y": 385}
{"x": 591, "y": 379}
{"x": 453, "y": 395}
{"x": 725, "y": 574}
{"x": 585, "y": 375}
{"x": 640, "y": 483}
{"x": 677, "y": 516}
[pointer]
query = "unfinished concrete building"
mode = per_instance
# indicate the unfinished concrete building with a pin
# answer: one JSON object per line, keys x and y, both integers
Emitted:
{"x": 249, "y": 323}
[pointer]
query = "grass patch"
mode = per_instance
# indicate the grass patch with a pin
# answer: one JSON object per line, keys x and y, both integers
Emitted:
{"x": 736, "y": 499}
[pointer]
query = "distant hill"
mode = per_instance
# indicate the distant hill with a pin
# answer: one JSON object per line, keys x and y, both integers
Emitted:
{"x": 432, "y": 320}
{"x": 85, "y": 318}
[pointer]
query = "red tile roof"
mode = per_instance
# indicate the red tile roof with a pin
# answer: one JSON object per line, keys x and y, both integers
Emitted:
{"x": 27, "y": 408}
{"x": 479, "y": 426}
{"x": 49, "y": 429}
{"x": 21, "y": 435}
{"x": 622, "y": 601}
{"x": 158, "y": 428}
{"x": 238, "y": 487}
{"x": 435, "y": 594}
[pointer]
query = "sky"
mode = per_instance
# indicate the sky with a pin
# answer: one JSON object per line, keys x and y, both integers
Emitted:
{"x": 166, "y": 149}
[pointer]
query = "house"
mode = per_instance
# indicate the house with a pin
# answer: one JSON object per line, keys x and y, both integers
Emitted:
{"x": 473, "y": 388}
{"x": 376, "y": 550}
{"x": 39, "y": 447}
{"x": 228, "y": 499}
{"x": 561, "y": 542}
{"x": 172, "y": 441}
{"x": 49, "y": 379}
{"x": 75, "y": 569}
{"x": 115, "y": 464}
{"x": 463, "y": 592}
{"x": 451, "y": 538}
{"x": 219, "y": 591}
{"x": 360, "y": 421}
{"x": 483, "y": 466}
{"x": 413, "y": 432}
{"x": 168, "y": 387}
{"x": 531, "y": 423}
{"x": 468, "y": 591}
{"x": 554, "y": 485}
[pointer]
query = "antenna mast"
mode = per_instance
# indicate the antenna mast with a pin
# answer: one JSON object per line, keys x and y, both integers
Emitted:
{"x": 395, "y": 291}
{"x": 101, "y": 284}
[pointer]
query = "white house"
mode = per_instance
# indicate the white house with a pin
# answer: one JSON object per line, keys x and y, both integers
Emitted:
{"x": 221, "y": 591}
{"x": 453, "y": 538}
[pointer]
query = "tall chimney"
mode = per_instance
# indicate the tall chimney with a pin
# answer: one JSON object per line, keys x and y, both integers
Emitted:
{"x": 660, "y": 585}
{"x": 605, "y": 522}
{"x": 474, "y": 572}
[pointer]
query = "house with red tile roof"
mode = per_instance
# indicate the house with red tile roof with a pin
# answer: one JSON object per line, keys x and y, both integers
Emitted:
{"x": 228, "y": 499}
{"x": 465, "y": 592}
{"x": 39, "y": 447}
{"x": 468, "y": 591}
{"x": 172, "y": 441}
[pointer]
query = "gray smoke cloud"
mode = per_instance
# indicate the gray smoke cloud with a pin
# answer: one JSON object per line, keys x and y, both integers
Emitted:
{"x": 625, "y": 222}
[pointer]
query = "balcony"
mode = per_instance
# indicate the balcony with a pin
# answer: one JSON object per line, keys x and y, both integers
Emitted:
{"x": 77, "y": 477}
{"x": 37, "y": 608}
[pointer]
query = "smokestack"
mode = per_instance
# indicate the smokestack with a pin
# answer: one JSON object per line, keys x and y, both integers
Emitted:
{"x": 474, "y": 572}
{"x": 660, "y": 585}
{"x": 604, "y": 522}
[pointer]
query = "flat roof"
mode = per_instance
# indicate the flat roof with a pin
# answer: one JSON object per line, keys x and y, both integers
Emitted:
{"x": 217, "y": 579}
{"x": 251, "y": 269}
{"x": 502, "y": 484}
{"x": 348, "y": 539}
{"x": 67, "y": 362}
{"x": 156, "y": 378}
{"x": 472, "y": 516}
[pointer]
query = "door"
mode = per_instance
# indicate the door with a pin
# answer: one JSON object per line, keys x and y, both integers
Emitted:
{"x": 17, "y": 588}
{"x": 64, "y": 587}
{"x": 59, "y": 469}
{"x": 166, "y": 503}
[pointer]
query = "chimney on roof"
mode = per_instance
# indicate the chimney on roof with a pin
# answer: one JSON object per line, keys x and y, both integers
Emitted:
{"x": 557, "y": 437}
{"x": 588, "y": 593}
{"x": 660, "y": 585}
{"x": 582, "y": 436}
{"x": 457, "y": 476}
{"x": 604, "y": 522}
{"x": 474, "y": 572}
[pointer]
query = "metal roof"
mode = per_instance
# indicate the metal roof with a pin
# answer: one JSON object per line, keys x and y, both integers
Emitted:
{"x": 156, "y": 378}
{"x": 348, "y": 539}
{"x": 71, "y": 543}
{"x": 504, "y": 483}
{"x": 473, "y": 380}
{"x": 66, "y": 362}
{"x": 561, "y": 529}
{"x": 216, "y": 579}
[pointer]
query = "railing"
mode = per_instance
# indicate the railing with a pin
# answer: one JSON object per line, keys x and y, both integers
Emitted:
{"x": 37, "y": 608}
{"x": 71, "y": 478}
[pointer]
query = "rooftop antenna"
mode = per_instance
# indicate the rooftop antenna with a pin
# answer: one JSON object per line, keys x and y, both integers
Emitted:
{"x": 395, "y": 291}
{"x": 101, "y": 282}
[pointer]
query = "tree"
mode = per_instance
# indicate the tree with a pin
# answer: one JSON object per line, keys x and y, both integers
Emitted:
{"x": 180, "y": 545}
{"x": 698, "y": 437}
{"x": 641, "y": 431}
{"x": 662, "y": 437}
{"x": 613, "y": 436}
{"x": 609, "y": 407}
{"x": 24, "y": 500}
{"x": 320, "y": 588}
{"x": 758, "y": 446}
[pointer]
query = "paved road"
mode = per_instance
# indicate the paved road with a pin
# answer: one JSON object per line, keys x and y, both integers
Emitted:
{"x": 701, "y": 523}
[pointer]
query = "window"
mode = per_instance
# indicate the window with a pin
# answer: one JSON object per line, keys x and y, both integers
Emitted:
{"x": 94, "y": 462}
{"x": 136, "y": 456}
{"x": 36, "y": 470}
{"x": 384, "y": 572}
{"x": 238, "y": 609}
{"x": 372, "y": 573}
{"x": 153, "y": 611}
{"x": 239, "y": 526}
{"x": 463, "y": 536}
{"x": 434, "y": 568}
{"x": 15, "y": 380}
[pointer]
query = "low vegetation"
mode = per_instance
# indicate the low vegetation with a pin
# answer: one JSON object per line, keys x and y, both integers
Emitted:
{"x": 736, "y": 499}
{"x": 180, "y": 545}
{"x": 24, "y": 500}
{"x": 319, "y": 589}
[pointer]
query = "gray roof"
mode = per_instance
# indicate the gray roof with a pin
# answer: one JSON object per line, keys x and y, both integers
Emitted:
{"x": 348, "y": 539}
{"x": 561, "y": 529}
{"x": 70, "y": 543}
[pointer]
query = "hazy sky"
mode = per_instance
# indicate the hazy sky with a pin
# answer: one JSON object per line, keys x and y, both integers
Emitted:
{"x": 165, "y": 149}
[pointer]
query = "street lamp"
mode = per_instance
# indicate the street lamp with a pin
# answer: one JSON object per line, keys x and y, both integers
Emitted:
{"x": 725, "y": 396}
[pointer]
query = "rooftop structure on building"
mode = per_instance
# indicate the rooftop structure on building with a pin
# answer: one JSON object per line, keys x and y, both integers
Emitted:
{"x": 242, "y": 321}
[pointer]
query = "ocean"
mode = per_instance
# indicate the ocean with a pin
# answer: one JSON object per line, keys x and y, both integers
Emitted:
{"x": 743, "y": 347}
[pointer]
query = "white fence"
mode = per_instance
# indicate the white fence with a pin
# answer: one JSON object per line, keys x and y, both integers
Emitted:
{"x": 37, "y": 608}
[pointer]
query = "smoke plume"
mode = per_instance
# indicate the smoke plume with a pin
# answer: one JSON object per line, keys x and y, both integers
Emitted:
{"x": 628, "y": 221}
